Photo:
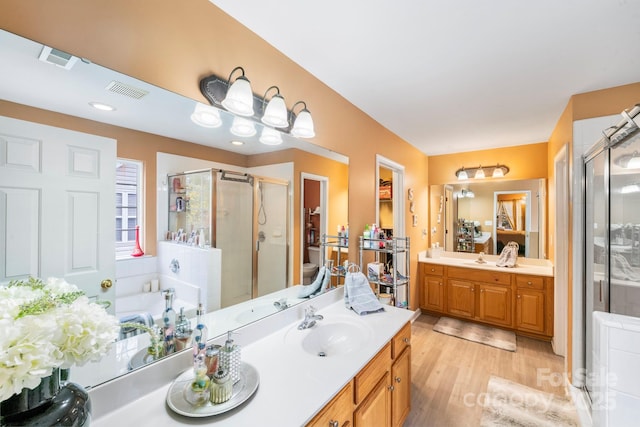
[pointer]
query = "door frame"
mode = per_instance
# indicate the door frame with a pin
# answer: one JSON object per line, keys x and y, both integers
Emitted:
{"x": 397, "y": 190}
{"x": 324, "y": 213}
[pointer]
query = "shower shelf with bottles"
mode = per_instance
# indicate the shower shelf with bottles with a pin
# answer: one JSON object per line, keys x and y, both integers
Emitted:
{"x": 190, "y": 207}
{"x": 465, "y": 236}
{"x": 338, "y": 246}
{"x": 396, "y": 254}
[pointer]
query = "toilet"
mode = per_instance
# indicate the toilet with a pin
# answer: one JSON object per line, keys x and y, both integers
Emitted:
{"x": 309, "y": 269}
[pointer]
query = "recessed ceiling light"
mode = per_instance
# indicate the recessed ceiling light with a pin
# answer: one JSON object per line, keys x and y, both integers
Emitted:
{"x": 234, "y": 142}
{"x": 101, "y": 106}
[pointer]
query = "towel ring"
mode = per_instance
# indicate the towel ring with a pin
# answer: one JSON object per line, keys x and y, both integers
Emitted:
{"x": 353, "y": 268}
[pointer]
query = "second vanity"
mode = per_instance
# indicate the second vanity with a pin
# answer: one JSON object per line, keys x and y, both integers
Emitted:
{"x": 519, "y": 298}
{"x": 297, "y": 386}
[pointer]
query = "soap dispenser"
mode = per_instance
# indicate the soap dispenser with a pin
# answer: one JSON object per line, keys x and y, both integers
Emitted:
{"x": 230, "y": 358}
{"x": 183, "y": 331}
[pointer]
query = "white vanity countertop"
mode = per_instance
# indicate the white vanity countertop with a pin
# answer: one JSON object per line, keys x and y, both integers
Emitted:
{"x": 537, "y": 267}
{"x": 294, "y": 385}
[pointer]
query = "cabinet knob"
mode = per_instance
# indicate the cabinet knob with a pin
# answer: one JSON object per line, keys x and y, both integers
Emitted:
{"x": 481, "y": 290}
{"x": 518, "y": 295}
{"x": 334, "y": 423}
{"x": 529, "y": 283}
{"x": 398, "y": 379}
{"x": 391, "y": 388}
{"x": 406, "y": 340}
{"x": 433, "y": 269}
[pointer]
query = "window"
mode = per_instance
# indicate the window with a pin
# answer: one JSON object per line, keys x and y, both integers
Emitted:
{"x": 128, "y": 205}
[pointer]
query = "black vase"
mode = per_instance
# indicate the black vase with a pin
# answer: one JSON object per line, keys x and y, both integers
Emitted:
{"x": 51, "y": 403}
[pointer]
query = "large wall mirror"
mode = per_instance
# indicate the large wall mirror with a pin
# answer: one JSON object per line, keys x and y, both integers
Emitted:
{"x": 167, "y": 142}
{"x": 484, "y": 216}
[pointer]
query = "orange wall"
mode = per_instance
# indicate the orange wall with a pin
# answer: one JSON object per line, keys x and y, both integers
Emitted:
{"x": 173, "y": 46}
{"x": 524, "y": 162}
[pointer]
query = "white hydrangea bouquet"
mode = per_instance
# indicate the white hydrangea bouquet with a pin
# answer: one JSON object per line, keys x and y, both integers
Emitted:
{"x": 47, "y": 325}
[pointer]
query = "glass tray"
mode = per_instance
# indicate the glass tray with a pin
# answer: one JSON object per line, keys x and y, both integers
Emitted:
{"x": 242, "y": 390}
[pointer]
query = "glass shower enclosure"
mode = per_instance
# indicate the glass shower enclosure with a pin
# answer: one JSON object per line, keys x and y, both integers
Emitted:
{"x": 612, "y": 228}
{"x": 246, "y": 217}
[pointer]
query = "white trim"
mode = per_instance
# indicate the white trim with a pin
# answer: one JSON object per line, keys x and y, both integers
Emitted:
{"x": 561, "y": 252}
{"x": 527, "y": 225}
{"x": 397, "y": 191}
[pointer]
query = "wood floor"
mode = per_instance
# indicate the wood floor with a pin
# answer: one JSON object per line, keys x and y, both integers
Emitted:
{"x": 450, "y": 374}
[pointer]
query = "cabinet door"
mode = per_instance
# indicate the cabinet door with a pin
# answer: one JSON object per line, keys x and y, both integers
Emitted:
{"x": 461, "y": 298}
{"x": 433, "y": 293}
{"x": 530, "y": 310}
{"x": 338, "y": 412}
{"x": 401, "y": 392}
{"x": 495, "y": 304}
{"x": 376, "y": 408}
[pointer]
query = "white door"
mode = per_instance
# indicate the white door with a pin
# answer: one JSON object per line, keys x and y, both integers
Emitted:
{"x": 57, "y": 205}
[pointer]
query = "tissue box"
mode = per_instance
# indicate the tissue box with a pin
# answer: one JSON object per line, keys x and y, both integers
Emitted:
{"x": 434, "y": 252}
{"x": 375, "y": 270}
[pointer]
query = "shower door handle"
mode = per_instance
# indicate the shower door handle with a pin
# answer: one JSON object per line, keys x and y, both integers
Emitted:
{"x": 261, "y": 238}
{"x": 600, "y": 283}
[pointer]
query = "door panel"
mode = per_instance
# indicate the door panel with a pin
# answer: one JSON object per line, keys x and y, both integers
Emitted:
{"x": 57, "y": 201}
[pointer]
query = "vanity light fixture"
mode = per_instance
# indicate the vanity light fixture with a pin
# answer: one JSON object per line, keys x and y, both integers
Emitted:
{"x": 239, "y": 98}
{"x": 275, "y": 112}
{"x": 206, "y": 116}
{"x": 481, "y": 172}
{"x": 464, "y": 193}
{"x": 102, "y": 107}
{"x": 270, "y": 136}
{"x": 242, "y": 127}
{"x": 629, "y": 161}
{"x": 462, "y": 174}
{"x": 302, "y": 123}
{"x": 631, "y": 188}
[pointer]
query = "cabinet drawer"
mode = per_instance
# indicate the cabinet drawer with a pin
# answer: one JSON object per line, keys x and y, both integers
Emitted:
{"x": 401, "y": 340}
{"x": 432, "y": 269}
{"x": 370, "y": 375}
{"x": 487, "y": 276}
{"x": 340, "y": 410}
{"x": 530, "y": 282}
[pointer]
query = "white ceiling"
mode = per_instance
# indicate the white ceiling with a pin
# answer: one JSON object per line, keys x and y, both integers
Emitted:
{"x": 456, "y": 75}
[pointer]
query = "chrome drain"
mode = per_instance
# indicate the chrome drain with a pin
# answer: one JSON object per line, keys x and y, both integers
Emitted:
{"x": 322, "y": 354}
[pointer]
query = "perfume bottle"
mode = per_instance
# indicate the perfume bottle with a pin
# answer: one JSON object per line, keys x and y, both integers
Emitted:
{"x": 198, "y": 391}
{"x": 169, "y": 320}
{"x": 230, "y": 358}
{"x": 183, "y": 331}
{"x": 199, "y": 339}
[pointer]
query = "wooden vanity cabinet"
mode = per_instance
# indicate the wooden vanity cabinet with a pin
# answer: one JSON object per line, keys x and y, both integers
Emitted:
{"x": 432, "y": 287}
{"x": 380, "y": 394}
{"x": 338, "y": 412}
{"x": 520, "y": 302}
{"x": 533, "y": 304}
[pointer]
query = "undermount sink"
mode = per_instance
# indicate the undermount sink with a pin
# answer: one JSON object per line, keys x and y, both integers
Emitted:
{"x": 331, "y": 338}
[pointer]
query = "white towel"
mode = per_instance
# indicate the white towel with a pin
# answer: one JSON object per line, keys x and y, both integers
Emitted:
{"x": 358, "y": 294}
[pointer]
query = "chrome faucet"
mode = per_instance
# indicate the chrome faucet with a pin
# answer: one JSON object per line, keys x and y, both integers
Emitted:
{"x": 281, "y": 304}
{"x": 310, "y": 318}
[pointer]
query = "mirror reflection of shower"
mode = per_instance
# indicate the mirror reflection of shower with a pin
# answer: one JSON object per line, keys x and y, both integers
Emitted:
{"x": 251, "y": 227}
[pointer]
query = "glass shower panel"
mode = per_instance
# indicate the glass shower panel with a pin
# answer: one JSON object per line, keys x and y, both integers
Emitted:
{"x": 625, "y": 229}
{"x": 596, "y": 250}
{"x": 272, "y": 229}
{"x": 234, "y": 236}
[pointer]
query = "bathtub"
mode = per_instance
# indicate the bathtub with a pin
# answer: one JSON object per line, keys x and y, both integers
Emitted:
{"x": 186, "y": 295}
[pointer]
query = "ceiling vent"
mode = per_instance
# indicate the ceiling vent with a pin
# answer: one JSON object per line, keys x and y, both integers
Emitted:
{"x": 126, "y": 90}
{"x": 57, "y": 57}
